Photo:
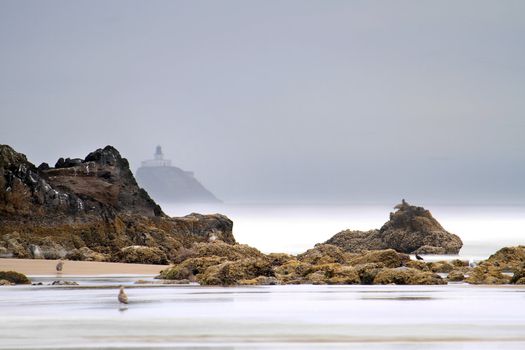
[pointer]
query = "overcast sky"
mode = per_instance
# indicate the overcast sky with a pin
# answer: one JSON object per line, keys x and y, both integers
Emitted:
{"x": 278, "y": 100}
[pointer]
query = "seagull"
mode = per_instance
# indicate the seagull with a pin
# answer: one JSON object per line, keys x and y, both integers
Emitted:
{"x": 402, "y": 204}
{"x": 122, "y": 297}
{"x": 418, "y": 257}
{"x": 60, "y": 266}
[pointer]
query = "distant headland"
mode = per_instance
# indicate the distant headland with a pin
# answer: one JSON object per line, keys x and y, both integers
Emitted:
{"x": 168, "y": 183}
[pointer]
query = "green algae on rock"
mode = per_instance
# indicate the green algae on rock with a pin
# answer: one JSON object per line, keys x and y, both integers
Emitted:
{"x": 14, "y": 277}
{"x": 411, "y": 229}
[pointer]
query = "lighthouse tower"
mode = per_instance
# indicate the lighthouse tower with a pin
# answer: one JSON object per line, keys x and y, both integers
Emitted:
{"x": 158, "y": 160}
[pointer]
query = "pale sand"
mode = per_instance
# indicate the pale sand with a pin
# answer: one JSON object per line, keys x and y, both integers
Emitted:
{"x": 47, "y": 267}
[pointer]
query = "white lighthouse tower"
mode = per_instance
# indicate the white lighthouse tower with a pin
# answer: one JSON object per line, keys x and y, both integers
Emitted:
{"x": 158, "y": 160}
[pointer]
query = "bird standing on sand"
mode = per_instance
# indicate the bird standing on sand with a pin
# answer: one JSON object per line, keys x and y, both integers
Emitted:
{"x": 418, "y": 257}
{"x": 122, "y": 297}
{"x": 60, "y": 266}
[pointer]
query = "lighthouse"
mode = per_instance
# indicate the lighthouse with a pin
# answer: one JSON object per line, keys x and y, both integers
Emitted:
{"x": 171, "y": 184}
{"x": 158, "y": 160}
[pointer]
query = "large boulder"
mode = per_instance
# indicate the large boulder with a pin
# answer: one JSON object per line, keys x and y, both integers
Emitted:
{"x": 487, "y": 274}
{"x": 333, "y": 274}
{"x": 232, "y": 272}
{"x": 217, "y": 248}
{"x": 406, "y": 275}
{"x": 386, "y": 258}
{"x": 508, "y": 258}
{"x": 324, "y": 254}
{"x": 410, "y": 229}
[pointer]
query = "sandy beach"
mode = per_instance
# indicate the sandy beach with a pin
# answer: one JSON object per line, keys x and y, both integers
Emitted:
{"x": 47, "y": 267}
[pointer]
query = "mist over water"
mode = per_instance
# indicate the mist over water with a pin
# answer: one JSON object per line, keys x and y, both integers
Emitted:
{"x": 296, "y": 228}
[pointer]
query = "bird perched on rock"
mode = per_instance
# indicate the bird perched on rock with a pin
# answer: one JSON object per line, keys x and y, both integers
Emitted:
{"x": 402, "y": 205}
{"x": 60, "y": 266}
{"x": 418, "y": 257}
{"x": 122, "y": 297}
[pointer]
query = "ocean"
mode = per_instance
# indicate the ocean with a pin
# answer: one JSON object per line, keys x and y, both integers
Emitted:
{"x": 296, "y": 228}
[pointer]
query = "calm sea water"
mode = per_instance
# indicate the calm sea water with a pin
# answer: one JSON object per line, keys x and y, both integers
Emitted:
{"x": 296, "y": 228}
{"x": 273, "y": 317}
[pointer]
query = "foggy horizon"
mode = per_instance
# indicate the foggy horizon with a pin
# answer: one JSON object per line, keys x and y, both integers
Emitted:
{"x": 291, "y": 102}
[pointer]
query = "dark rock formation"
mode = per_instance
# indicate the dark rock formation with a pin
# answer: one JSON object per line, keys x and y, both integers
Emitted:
{"x": 91, "y": 209}
{"x": 410, "y": 229}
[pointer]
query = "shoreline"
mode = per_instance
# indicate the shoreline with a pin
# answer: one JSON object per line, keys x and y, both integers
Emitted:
{"x": 42, "y": 267}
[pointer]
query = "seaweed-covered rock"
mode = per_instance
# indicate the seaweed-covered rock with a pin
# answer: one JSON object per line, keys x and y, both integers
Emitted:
{"x": 519, "y": 276}
{"x": 6, "y": 283}
{"x": 487, "y": 274}
{"x": 231, "y": 272}
{"x": 14, "y": 277}
{"x": 441, "y": 266}
{"x": 409, "y": 229}
{"x": 387, "y": 257}
{"x": 368, "y": 272}
{"x": 260, "y": 281}
{"x": 508, "y": 258}
{"x": 428, "y": 249}
{"x": 357, "y": 241}
{"x": 292, "y": 271}
{"x": 142, "y": 255}
{"x": 324, "y": 254}
{"x": 407, "y": 276}
{"x": 231, "y": 252}
{"x": 333, "y": 273}
{"x": 417, "y": 264}
{"x": 191, "y": 267}
{"x": 86, "y": 254}
{"x": 278, "y": 259}
{"x": 455, "y": 276}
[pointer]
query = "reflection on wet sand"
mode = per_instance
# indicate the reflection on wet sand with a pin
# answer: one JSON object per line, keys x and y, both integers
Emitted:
{"x": 274, "y": 317}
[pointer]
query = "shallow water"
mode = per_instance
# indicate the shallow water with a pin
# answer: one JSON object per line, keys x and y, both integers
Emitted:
{"x": 270, "y": 317}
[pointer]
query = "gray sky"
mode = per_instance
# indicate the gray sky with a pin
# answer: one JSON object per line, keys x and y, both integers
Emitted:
{"x": 278, "y": 100}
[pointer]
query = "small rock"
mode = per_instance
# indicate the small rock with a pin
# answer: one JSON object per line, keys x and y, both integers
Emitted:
{"x": 64, "y": 283}
{"x": 14, "y": 277}
{"x": 455, "y": 276}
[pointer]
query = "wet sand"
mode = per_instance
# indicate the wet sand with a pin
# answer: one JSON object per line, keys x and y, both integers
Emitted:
{"x": 47, "y": 267}
{"x": 86, "y": 316}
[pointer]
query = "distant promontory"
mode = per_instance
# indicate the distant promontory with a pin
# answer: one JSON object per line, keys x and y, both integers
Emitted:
{"x": 167, "y": 183}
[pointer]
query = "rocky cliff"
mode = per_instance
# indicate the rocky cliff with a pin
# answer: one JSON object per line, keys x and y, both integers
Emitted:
{"x": 411, "y": 229}
{"x": 91, "y": 209}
